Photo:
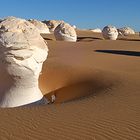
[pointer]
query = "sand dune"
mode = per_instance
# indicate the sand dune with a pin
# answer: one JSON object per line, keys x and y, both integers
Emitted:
{"x": 96, "y": 83}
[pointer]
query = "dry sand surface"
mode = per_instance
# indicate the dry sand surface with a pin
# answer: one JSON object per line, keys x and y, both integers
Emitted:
{"x": 97, "y": 87}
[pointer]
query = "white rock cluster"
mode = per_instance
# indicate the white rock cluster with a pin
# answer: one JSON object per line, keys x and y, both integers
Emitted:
{"x": 97, "y": 30}
{"x": 52, "y": 24}
{"x": 126, "y": 31}
{"x": 110, "y": 32}
{"x": 42, "y": 27}
{"x": 65, "y": 32}
{"x": 22, "y": 53}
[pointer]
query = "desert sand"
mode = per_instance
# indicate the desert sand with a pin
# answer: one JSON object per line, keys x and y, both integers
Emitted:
{"x": 96, "y": 83}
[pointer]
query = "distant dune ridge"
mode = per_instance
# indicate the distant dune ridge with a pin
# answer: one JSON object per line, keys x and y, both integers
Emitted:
{"x": 22, "y": 53}
{"x": 110, "y": 32}
{"x": 65, "y": 32}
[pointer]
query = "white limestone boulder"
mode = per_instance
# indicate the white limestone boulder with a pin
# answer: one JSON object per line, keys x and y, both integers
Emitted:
{"x": 52, "y": 24}
{"x": 22, "y": 53}
{"x": 110, "y": 32}
{"x": 126, "y": 31}
{"x": 65, "y": 32}
{"x": 97, "y": 30}
{"x": 42, "y": 27}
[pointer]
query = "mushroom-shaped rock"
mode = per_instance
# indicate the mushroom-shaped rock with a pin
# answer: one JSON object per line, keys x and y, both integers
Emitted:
{"x": 65, "y": 32}
{"x": 97, "y": 30}
{"x": 22, "y": 53}
{"x": 42, "y": 27}
{"x": 52, "y": 24}
{"x": 126, "y": 31}
{"x": 110, "y": 32}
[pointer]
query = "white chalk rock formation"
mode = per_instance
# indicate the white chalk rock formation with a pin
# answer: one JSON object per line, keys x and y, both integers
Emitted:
{"x": 22, "y": 53}
{"x": 42, "y": 27}
{"x": 126, "y": 31}
{"x": 65, "y": 32}
{"x": 97, "y": 30}
{"x": 52, "y": 24}
{"x": 110, "y": 32}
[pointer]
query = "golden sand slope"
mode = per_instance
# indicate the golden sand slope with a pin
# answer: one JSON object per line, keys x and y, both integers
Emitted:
{"x": 106, "y": 73}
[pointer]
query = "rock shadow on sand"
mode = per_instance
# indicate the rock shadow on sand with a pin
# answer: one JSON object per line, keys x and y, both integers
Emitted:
{"x": 120, "y": 52}
{"x": 128, "y": 39}
{"x": 81, "y": 90}
{"x": 88, "y": 39}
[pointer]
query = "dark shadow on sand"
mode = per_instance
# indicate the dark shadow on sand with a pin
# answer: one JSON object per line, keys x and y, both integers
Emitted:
{"x": 82, "y": 89}
{"x": 47, "y": 38}
{"x": 91, "y": 38}
{"x": 120, "y": 52}
{"x": 127, "y": 39}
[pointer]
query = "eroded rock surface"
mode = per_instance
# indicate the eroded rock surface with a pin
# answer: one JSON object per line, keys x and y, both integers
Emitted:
{"x": 110, "y": 32}
{"x": 65, "y": 32}
{"x": 22, "y": 53}
{"x": 42, "y": 27}
{"x": 126, "y": 31}
{"x": 52, "y": 24}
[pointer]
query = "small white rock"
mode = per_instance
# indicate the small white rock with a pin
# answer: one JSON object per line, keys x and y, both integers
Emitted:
{"x": 74, "y": 26}
{"x": 53, "y": 98}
